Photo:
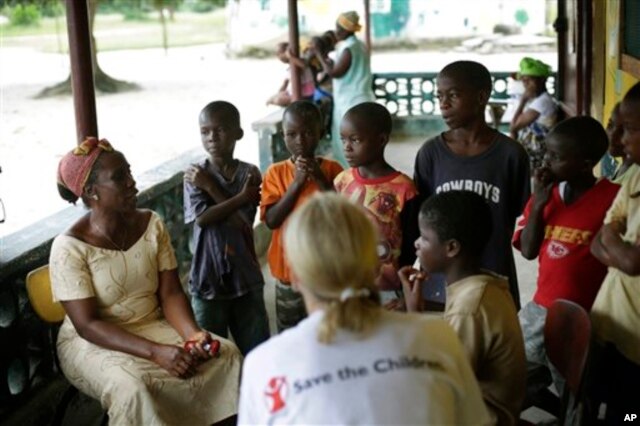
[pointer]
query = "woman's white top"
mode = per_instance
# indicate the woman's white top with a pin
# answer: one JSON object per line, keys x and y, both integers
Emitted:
{"x": 410, "y": 370}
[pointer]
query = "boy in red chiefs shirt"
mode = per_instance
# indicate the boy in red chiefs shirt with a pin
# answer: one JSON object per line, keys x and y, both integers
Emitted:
{"x": 560, "y": 220}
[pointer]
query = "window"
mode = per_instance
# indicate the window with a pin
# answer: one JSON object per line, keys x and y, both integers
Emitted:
{"x": 630, "y": 37}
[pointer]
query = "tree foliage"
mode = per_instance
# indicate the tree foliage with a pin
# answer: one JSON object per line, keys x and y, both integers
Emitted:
{"x": 130, "y": 9}
{"x": 29, "y": 12}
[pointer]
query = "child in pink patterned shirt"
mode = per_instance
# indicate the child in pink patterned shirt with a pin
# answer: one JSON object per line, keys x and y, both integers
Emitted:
{"x": 384, "y": 192}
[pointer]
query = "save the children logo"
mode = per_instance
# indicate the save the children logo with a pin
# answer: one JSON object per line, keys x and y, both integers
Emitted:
{"x": 280, "y": 393}
{"x": 276, "y": 394}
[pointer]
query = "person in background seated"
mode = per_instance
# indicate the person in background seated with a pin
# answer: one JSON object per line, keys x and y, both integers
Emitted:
{"x": 323, "y": 45}
{"x": 129, "y": 338}
{"x": 322, "y": 96}
{"x": 537, "y": 112}
{"x": 616, "y": 311}
{"x": 307, "y": 81}
{"x": 221, "y": 195}
{"x": 350, "y": 361}
{"x": 562, "y": 216}
{"x": 454, "y": 229}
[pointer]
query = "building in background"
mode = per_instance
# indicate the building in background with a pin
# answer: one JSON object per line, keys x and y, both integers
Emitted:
{"x": 259, "y": 24}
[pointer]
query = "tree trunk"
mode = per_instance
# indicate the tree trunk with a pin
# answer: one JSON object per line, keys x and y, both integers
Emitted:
{"x": 102, "y": 81}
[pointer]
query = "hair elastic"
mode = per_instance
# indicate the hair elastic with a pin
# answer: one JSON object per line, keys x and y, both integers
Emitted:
{"x": 351, "y": 292}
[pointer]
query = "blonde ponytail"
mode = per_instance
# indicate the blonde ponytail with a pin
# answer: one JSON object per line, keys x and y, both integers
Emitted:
{"x": 358, "y": 315}
{"x": 330, "y": 244}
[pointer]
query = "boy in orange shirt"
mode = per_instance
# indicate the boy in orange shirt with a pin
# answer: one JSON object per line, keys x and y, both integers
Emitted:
{"x": 286, "y": 185}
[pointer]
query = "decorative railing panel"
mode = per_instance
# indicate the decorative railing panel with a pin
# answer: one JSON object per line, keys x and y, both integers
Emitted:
{"x": 407, "y": 96}
{"x": 414, "y": 94}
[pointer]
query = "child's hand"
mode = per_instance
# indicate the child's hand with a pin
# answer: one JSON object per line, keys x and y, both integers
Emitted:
{"x": 196, "y": 176}
{"x": 251, "y": 190}
{"x": 396, "y": 305}
{"x": 542, "y": 186}
{"x": 387, "y": 278}
{"x": 315, "y": 171}
{"x": 302, "y": 170}
{"x": 618, "y": 226}
{"x": 411, "y": 280}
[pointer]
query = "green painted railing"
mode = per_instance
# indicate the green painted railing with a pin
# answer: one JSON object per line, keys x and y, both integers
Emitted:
{"x": 410, "y": 97}
{"x": 413, "y": 94}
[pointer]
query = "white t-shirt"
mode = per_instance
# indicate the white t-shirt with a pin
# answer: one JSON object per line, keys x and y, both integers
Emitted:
{"x": 410, "y": 370}
{"x": 545, "y": 106}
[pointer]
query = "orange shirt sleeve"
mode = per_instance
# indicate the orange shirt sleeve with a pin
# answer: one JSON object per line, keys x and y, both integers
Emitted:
{"x": 273, "y": 187}
{"x": 331, "y": 169}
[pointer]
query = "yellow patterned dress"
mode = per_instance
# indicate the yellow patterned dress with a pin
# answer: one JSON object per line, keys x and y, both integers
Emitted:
{"x": 135, "y": 391}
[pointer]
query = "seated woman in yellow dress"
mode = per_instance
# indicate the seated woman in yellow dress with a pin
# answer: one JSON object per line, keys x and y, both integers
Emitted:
{"x": 128, "y": 319}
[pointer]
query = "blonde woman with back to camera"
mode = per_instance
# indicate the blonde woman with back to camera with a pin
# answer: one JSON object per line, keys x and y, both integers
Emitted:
{"x": 349, "y": 361}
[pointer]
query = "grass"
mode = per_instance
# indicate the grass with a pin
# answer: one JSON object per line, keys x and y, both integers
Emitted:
{"x": 112, "y": 32}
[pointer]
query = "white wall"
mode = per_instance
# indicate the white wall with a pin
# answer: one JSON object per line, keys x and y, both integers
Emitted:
{"x": 252, "y": 25}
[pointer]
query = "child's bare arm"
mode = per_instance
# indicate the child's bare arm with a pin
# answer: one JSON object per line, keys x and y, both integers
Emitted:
{"x": 226, "y": 206}
{"x": 338, "y": 69}
{"x": 316, "y": 174}
{"x": 609, "y": 247}
{"x": 229, "y": 209}
{"x": 284, "y": 85}
{"x": 411, "y": 280}
{"x": 522, "y": 118}
{"x": 297, "y": 61}
{"x": 599, "y": 250}
{"x": 276, "y": 213}
{"x": 410, "y": 231}
{"x": 533, "y": 232}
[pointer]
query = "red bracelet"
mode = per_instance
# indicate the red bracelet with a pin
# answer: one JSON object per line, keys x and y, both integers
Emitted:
{"x": 212, "y": 347}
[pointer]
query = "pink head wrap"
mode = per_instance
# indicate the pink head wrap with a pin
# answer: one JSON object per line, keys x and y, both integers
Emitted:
{"x": 74, "y": 168}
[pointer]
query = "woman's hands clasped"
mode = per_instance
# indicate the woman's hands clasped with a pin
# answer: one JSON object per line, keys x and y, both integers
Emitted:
{"x": 180, "y": 362}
